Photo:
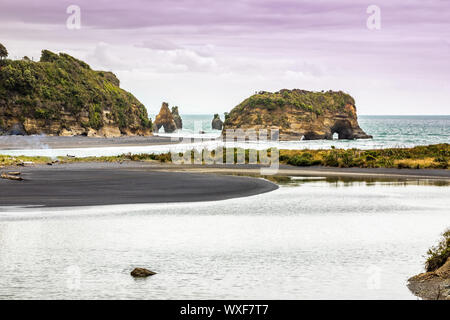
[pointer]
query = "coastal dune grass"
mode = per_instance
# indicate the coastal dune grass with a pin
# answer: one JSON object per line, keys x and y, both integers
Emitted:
{"x": 420, "y": 157}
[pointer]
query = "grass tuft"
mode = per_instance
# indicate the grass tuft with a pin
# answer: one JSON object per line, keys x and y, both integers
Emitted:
{"x": 438, "y": 254}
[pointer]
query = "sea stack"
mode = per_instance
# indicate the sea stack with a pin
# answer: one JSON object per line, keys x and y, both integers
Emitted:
{"x": 177, "y": 118}
{"x": 165, "y": 119}
{"x": 299, "y": 114}
{"x": 216, "y": 123}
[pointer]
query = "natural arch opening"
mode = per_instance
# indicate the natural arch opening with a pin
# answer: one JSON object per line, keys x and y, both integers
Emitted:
{"x": 343, "y": 130}
{"x": 160, "y": 128}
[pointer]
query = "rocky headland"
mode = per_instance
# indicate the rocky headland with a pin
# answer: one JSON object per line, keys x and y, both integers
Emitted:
{"x": 299, "y": 114}
{"x": 434, "y": 284}
{"x": 62, "y": 96}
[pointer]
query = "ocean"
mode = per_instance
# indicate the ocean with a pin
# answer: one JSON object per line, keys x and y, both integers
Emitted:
{"x": 387, "y": 132}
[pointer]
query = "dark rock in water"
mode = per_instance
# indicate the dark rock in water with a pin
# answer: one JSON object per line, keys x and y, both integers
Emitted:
{"x": 434, "y": 285}
{"x": 216, "y": 123}
{"x": 142, "y": 273}
{"x": 177, "y": 118}
{"x": 165, "y": 119}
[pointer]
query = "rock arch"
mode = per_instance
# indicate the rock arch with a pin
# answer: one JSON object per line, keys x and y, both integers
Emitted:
{"x": 343, "y": 128}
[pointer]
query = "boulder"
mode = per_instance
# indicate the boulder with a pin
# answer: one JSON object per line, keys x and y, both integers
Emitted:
{"x": 216, "y": 123}
{"x": 177, "y": 118}
{"x": 142, "y": 273}
{"x": 165, "y": 119}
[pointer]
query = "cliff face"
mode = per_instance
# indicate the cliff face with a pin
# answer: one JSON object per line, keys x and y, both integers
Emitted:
{"x": 165, "y": 119}
{"x": 299, "y": 114}
{"x": 60, "y": 95}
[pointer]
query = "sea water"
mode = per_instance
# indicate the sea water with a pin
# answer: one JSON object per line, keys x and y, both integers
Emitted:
{"x": 317, "y": 239}
{"x": 387, "y": 132}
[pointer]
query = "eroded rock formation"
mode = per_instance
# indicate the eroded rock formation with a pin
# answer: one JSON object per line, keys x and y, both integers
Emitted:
{"x": 165, "y": 119}
{"x": 177, "y": 118}
{"x": 434, "y": 285}
{"x": 61, "y": 95}
{"x": 216, "y": 123}
{"x": 299, "y": 114}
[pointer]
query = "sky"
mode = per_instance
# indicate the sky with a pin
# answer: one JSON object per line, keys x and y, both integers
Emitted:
{"x": 206, "y": 56}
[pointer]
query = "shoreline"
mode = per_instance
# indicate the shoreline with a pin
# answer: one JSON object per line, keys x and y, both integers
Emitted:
{"x": 85, "y": 184}
{"x": 318, "y": 171}
{"x": 137, "y": 182}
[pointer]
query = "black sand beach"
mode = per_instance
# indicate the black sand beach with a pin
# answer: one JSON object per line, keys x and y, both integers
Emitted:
{"x": 102, "y": 184}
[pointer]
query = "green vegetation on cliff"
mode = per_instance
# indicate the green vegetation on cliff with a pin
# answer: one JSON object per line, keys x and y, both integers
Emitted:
{"x": 60, "y": 85}
{"x": 296, "y": 99}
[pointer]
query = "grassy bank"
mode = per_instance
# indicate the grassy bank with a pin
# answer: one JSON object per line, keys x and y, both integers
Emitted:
{"x": 421, "y": 157}
{"x": 438, "y": 255}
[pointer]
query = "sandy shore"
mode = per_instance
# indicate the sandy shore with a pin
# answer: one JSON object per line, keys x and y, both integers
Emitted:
{"x": 86, "y": 184}
{"x": 98, "y": 183}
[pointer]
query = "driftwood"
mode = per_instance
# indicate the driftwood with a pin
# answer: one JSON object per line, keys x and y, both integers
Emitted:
{"x": 11, "y": 176}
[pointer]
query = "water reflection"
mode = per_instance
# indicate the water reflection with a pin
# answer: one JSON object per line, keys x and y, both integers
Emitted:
{"x": 343, "y": 181}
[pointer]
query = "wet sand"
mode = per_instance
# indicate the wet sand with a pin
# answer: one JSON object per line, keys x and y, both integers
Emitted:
{"x": 86, "y": 184}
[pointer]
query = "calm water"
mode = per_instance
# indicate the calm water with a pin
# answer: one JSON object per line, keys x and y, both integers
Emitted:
{"x": 315, "y": 240}
{"x": 388, "y": 132}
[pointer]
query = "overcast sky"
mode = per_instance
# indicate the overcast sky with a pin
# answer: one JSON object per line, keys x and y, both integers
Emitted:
{"x": 208, "y": 55}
